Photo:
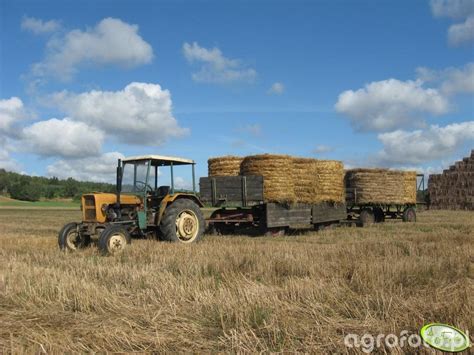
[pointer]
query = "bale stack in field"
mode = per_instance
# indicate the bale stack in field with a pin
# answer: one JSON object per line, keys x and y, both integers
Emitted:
{"x": 224, "y": 166}
{"x": 454, "y": 188}
{"x": 318, "y": 180}
{"x": 291, "y": 179}
{"x": 276, "y": 171}
{"x": 381, "y": 186}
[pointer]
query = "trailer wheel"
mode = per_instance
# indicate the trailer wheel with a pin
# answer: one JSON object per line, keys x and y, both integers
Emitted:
{"x": 366, "y": 217}
{"x": 183, "y": 222}
{"x": 379, "y": 215}
{"x": 274, "y": 232}
{"x": 70, "y": 239}
{"x": 113, "y": 240}
{"x": 409, "y": 215}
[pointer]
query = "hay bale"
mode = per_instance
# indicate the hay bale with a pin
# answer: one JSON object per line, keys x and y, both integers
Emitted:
{"x": 276, "y": 172}
{"x": 318, "y": 180}
{"x": 382, "y": 185}
{"x": 224, "y": 166}
{"x": 409, "y": 186}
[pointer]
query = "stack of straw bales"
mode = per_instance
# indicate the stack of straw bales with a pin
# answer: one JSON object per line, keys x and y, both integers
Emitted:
{"x": 382, "y": 185}
{"x": 276, "y": 171}
{"x": 290, "y": 179}
{"x": 318, "y": 180}
{"x": 224, "y": 166}
{"x": 454, "y": 188}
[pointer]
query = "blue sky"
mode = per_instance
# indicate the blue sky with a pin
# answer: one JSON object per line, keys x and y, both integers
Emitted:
{"x": 371, "y": 83}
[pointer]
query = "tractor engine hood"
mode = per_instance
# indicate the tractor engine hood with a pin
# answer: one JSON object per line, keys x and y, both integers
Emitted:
{"x": 92, "y": 205}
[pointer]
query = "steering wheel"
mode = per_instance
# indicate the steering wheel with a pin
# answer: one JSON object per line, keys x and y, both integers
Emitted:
{"x": 144, "y": 185}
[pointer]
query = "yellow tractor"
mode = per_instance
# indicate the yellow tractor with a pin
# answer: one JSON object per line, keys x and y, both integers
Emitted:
{"x": 139, "y": 208}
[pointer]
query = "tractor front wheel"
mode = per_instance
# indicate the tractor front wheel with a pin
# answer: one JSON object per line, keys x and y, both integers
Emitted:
{"x": 113, "y": 240}
{"x": 70, "y": 239}
{"x": 183, "y": 222}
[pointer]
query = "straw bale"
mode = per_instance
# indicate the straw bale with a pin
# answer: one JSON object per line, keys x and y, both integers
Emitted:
{"x": 382, "y": 185}
{"x": 224, "y": 166}
{"x": 276, "y": 172}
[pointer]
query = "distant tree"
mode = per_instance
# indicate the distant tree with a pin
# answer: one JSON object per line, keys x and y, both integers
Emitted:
{"x": 71, "y": 187}
{"x": 25, "y": 190}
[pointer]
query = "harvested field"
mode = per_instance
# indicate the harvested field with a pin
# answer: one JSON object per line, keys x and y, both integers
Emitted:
{"x": 382, "y": 185}
{"x": 233, "y": 294}
{"x": 224, "y": 166}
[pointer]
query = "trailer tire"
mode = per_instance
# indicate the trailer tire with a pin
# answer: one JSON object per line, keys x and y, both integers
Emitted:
{"x": 379, "y": 215}
{"x": 183, "y": 222}
{"x": 409, "y": 215}
{"x": 366, "y": 217}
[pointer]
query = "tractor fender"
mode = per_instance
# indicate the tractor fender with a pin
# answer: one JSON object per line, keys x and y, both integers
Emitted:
{"x": 169, "y": 199}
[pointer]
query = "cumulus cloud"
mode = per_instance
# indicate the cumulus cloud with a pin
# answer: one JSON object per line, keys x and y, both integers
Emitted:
{"x": 458, "y": 10}
{"x": 419, "y": 146}
{"x": 141, "y": 113}
{"x": 100, "y": 169}
{"x": 11, "y": 111}
{"x": 111, "y": 41}
{"x": 451, "y": 80}
{"x": 38, "y": 26}
{"x": 64, "y": 138}
{"x": 215, "y": 67}
{"x": 390, "y": 104}
{"x": 276, "y": 88}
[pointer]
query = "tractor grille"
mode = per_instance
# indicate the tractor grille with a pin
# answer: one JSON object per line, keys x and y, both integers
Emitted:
{"x": 89, "y": 208}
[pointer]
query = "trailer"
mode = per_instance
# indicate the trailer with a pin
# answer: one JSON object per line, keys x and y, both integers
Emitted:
{"x": 241, "y": 206}
{"x": 368, "y": 213}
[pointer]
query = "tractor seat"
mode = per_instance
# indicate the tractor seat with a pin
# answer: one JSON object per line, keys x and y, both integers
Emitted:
{"x": 162, "y": 191}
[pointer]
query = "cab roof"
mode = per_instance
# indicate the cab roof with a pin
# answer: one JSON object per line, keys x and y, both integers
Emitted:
{"x": 160, "y": 160}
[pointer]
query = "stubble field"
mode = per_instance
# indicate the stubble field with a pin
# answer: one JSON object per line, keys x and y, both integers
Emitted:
{"x": 298, "y": 293}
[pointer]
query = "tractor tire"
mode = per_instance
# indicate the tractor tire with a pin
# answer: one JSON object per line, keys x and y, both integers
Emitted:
{"x": 366, "y": 217}
{"x": 113, "y": 240}
{"x": 69, "y": 239}
{"x": 379, "y": 215}
{"x": 409, "y": 215}
{"x": 183, "y": 222}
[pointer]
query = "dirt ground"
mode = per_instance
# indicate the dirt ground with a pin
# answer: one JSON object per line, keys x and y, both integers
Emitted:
{"x": 301, "y": 293}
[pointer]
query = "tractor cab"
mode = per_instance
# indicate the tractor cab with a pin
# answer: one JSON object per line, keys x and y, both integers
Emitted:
{"x": 140, "y": 176}
{"x": 142, "y": 206}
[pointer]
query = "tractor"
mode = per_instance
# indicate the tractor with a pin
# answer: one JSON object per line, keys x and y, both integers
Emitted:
{"x": 139, "y": 208}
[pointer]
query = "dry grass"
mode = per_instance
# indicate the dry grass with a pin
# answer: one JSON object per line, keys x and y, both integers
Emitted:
{"x": 297, "y": 293}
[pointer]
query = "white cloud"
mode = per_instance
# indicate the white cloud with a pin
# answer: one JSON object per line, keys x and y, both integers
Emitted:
{"x": 452, "y": 8}
{"x": 277, "y": 88}
{"x": 461, "y": 32}
{"x": 111, "y": 41}
{"x": 456, "y": 9}
{"x": 64, "y": 138}
{"x": 215, "y": 68}
{"x": 451, "y": 80}
{"x": 11, "y": 111}
{"x": 6, "y": 162}
{"x": 321, "y": 149}
{"x": 403, "y": 147}
{"x": 390, "y": 104}
{"x": 100, "y": 169}
{"x": 139, "y": 114}
{"x": 38, "y": 26}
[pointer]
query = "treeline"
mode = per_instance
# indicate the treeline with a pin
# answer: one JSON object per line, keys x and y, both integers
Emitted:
{"x": 34, "y": 188}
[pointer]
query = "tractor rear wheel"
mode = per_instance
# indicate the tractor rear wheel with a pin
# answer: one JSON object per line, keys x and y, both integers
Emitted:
{"x": 70, "y": 239}
{"x": 113, "y": 240}
{"x": 409, "y": 215}
{"x": 366, "y": 217}
{"x": 183, "y": 222}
